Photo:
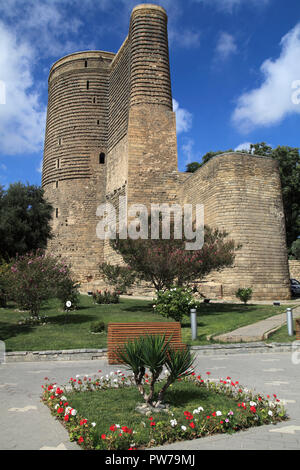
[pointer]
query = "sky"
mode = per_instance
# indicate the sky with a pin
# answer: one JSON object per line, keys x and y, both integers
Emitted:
{"x": 235, "y": 71}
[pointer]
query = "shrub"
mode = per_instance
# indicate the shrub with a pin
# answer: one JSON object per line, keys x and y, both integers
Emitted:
{"x": 121, "y": 277}
{"x": 106, "y": 297}
{"x": 244, "y": 294}
{"x": 36, "y": 277}
{"x": 98, "y": 327}
{"x": 67, "y": 290}
{"x": 153, "y": 352}
{"x": 175, "y": 303}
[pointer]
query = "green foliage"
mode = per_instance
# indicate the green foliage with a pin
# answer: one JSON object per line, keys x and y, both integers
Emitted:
{"x": 154, "y": 352}
{"x": 166, "y": 262}
{"x": 295, "y": 249}
{"x": 67, "y": 291}
{"x": 244, "y": 294}
{"x": 24, "y": 220}
{"x": 121, "y": 277}
{"x": 36, "y": 277}
{"x": 98, "y": 327}
{"x": 175, "y": 303}
{"x": 106, "y": 297}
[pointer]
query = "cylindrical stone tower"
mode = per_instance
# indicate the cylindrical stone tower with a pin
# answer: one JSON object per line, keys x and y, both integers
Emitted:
{"x": 152, "y": 142}
{"x": 75, "y": 156}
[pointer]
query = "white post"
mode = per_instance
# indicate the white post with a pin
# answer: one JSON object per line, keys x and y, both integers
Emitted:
{"x": 289, "y": 318}
{"x": 194, "y": 323}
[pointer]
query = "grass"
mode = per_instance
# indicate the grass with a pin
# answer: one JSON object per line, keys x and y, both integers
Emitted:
{"x": 281, "y": 335}
{"x": 112, "y": 406}
{"x": 73, "y": 331}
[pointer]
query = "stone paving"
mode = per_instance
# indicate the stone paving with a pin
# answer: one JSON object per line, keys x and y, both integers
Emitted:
{"x": 26, "y": 423}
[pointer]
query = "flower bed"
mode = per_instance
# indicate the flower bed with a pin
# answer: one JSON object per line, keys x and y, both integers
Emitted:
{"x": 223, "y": 407}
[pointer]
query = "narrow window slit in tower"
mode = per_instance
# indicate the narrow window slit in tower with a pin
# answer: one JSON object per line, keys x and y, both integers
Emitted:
{"x": 56, "y": 184}
{"x": 58, "y": 164}
{"x": 102, "y": 158}
{"x": 56, "y": 212}
{"x": 59, "y": 141}
{"x": 98, "y": 122}
{"x": 85, "y": 63}
{"x": 94, "y": 100}
{"x": 87, "y": 84}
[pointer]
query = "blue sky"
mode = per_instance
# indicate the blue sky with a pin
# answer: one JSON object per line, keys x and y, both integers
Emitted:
{"x": 234, "y": 64}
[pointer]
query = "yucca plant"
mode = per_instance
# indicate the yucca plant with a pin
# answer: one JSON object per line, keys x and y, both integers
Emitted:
{"x": 179, "y": 363}
{"x": 131, "y": 356}
{"x": 154, "y": 352}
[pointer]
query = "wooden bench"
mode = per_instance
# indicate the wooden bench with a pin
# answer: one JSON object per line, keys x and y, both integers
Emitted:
{"x": 120, "y": 333}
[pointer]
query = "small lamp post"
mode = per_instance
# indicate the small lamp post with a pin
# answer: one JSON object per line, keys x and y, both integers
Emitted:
{"x": 194, "y": 323}
{"x": 289, "y": 318}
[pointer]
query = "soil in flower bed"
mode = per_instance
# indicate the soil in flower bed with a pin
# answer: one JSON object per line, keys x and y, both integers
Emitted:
{"x": 107, "y": 418}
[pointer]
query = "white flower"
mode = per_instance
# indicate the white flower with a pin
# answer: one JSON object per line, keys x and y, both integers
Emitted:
{"x": 173, "y": 422}
{"x": 252, "y": 403}
{"x": 77, "y": 376}
{"x": 218, "y": 413}
{"x": 183, "y": 428}
{"x": 200, "y": 408}
{"x": 270, "y": 413}
{"x": 93, "y": 424}
{"x": 73, "y": 412}
{"x": 196, "y": 412}
{"x": 68, "y": 303}
{"x": 63, "y": 398}
{"x": 56, "y": 406}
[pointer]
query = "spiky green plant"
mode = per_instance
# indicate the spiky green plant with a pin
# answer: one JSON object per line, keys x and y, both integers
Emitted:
{"x": 154, "y": 352}
{"x": 179, "y": 363}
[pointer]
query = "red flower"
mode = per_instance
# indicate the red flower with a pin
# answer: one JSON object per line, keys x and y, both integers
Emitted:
{"x": 207, "y": 417}
{"x": 208, "y": 373}
{"x": 152, "y": 423}
{"x": 103, "y": 436}
{"x": 66, "y": 418}
{"x": 80, "y": 440}
{"x": 83, "y": 421}
{"x": 126, "y": 430}
{"x": 221, "y": 422}
{"x": 192, "y": 425}
{"x": 253, "y": 409}
{"x": 113, "y": 427}
{"x": 60, "y": 410}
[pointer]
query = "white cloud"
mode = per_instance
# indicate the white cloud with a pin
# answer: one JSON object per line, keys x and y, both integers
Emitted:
{"x": 22, "y": 119}
{"x": 183, "y": 118}
{"x": 226, "y": 46}
{"x": 229, "y": 5}
{"x": 273, "y": 100}
{"x": 244, "y": 146}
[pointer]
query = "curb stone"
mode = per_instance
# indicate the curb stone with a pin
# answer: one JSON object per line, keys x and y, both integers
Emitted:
{"x": 94, "y": 354}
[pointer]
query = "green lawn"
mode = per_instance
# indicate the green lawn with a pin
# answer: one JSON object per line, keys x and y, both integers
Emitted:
{"x": 73, "y": 332}
{"x": 281, "y": 335}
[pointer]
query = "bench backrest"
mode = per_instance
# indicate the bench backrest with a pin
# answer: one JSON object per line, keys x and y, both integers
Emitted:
{"x": 120, "y": 333}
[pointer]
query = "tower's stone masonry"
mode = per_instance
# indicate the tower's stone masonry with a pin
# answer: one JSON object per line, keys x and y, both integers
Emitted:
{"x": 111, "y": 132}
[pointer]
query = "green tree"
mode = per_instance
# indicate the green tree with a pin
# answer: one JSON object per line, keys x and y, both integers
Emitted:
{"x": 24, "y": 220}
{"x": 166, "y": 262}
{"x": 295, "y": 249}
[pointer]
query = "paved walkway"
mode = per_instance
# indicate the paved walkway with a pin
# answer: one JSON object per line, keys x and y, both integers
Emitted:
{"x": 26, "y": 423}
{"x": 257, "y": 331}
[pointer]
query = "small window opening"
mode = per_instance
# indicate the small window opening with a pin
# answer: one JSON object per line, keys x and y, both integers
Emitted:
{"x": 59, "y": 141}
{"x": 94, "y": 100}
{"x": 58, "y": 163}
{"x": 56, "y": 212}
{"x": 56, "y": 184}
{"x": 87, "y": 84}
{"x": 98, "y": 122}
{"x": 102, "y": 158}
{"x": 85, "y": 63}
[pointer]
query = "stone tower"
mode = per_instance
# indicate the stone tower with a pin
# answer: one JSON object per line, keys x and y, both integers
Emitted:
{"x": 111, "y": 132}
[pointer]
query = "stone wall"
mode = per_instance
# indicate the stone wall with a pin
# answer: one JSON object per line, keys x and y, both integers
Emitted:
{"x": 294, "y": 266}
{"x": 242, "y": 195}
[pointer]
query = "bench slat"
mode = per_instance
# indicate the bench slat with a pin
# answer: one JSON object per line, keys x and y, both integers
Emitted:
{"x": 119, "y": 333}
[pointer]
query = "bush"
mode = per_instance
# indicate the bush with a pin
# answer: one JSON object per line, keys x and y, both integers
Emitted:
{"x": 35, "y": 278}
{"x": 106, "y": 297}
{"x": 175, "y": 303}
{"x": 121, "y": 277}
{"x": 244, "y": 294}
{"x": 98, "y": 327}
{"x": 153, "y": 352}
{"x": 68, "y": 291}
